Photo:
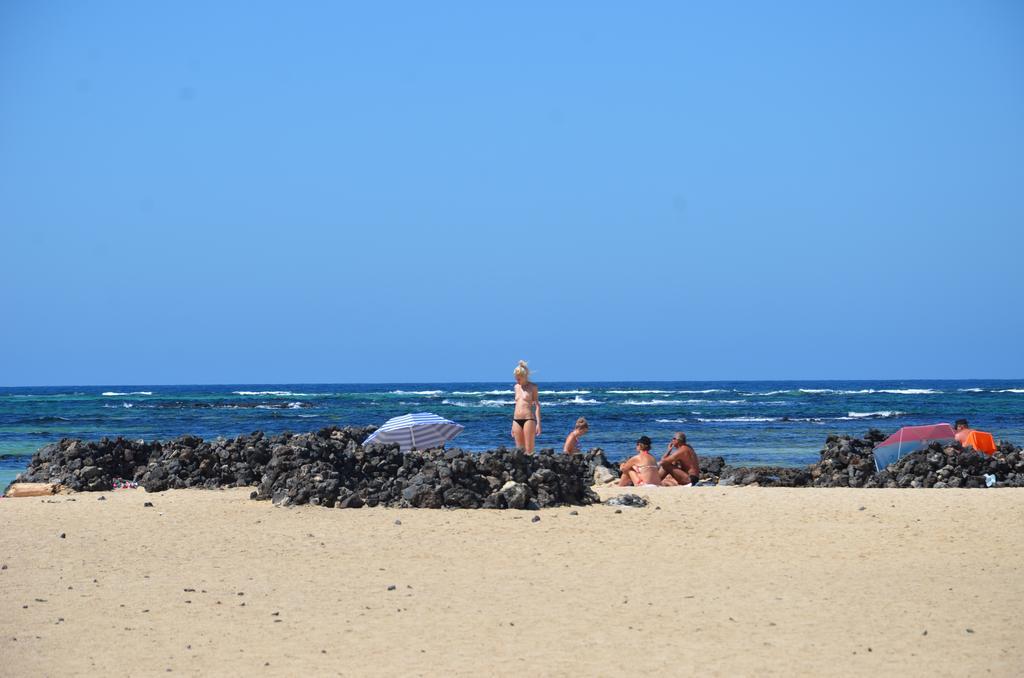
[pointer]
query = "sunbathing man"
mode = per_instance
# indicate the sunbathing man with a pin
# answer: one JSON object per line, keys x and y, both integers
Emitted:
{"x": 963, "y": 430}
{"x": 642, "y": 468}
{"x": 680, "y": 465}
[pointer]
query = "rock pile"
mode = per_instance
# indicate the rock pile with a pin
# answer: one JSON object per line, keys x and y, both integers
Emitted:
{"x": 187, "y": 461}
{"x": 765, "y": 476}
{"x": 850, "y": 462}
{"x": 330, "y": 468}
{"x": 631, "y": 500}
{"x": 383, "y": 476}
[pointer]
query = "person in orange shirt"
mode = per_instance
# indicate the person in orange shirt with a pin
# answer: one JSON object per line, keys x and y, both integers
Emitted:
{"x": 962, "y": 431}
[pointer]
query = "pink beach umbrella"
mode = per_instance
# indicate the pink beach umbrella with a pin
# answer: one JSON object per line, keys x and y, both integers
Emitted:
{"x": 910, "y": 439}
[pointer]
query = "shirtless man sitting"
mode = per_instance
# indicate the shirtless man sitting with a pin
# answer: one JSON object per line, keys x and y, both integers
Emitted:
{"x": 963, "y": 429}
{"x": 680, "y": 465}
{"x": 642, "y": 468}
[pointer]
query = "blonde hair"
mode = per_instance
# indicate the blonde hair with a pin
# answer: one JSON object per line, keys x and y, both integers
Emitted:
{"x": 581, "y": 423}
{"x": 521, "y": 370}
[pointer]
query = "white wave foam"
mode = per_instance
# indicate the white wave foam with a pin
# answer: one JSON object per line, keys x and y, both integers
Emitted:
{"x": 671, "y": 421}
{"x": 269, "y": 393}
{"x": 1010, "y": 390}
{"x": 479, "y": 403}
{"x": 764, "y": 393}
{"x": 572, "y": 392}
{"x": 127, "y": 405}
{"x": 580, "y": 401}
{"x": 707, "y": 390}
{"x": 883, "y": 414}
{"x": 480, "y": 393}
{"x": 971, "y": 390}
{"x": 426, "y": 393}
{"x": 640, "y": 392}
{"x": 863, "y": 391}
{"x": 119, "y": 393}
{"x": 738, "y": 419}
{"x": 648, "y": 403}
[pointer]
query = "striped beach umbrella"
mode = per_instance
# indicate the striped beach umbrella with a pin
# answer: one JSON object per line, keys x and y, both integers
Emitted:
{"x": 418, "y": 431}
{"x": 910, "y": 439}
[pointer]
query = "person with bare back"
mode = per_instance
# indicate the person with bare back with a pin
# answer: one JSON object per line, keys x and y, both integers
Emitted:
{"x": 526, "y": 416}
{"x": 572, "y": 441}
{"x": 641, "y": 469}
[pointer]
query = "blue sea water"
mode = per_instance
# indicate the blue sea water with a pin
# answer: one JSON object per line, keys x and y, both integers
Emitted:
{"x": 747, "y": 422}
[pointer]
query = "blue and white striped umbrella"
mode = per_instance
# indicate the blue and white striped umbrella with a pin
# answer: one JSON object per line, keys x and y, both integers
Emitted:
{"x": 419, "y": 431}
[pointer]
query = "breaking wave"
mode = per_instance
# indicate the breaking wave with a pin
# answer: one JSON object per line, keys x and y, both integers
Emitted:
{"x": 480, "y": 393}
{"x": 286, "y": 406}
{"x": 479, "y": 403}
{"x": 883, "y": 414}
{"x": 580, "y": 401}
{"x": 269, "y": 393}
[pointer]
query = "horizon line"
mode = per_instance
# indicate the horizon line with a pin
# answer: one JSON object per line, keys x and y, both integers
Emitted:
{"x": 480, "y": 381}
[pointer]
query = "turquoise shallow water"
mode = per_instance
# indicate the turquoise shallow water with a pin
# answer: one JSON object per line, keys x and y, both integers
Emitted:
{"x": 748, "y": 422}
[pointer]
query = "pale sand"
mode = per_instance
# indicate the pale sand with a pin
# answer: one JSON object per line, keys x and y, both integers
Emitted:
{"x": 719, "y": 581}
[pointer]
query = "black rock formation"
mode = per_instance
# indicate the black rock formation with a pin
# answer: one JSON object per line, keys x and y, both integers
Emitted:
{"x": 330, "y": 467}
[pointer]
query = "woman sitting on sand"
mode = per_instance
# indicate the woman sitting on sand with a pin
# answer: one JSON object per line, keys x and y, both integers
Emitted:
{"x": 572, "y": 441}
{"x": 526, "y": 416}
{"x": 642, "y": 468}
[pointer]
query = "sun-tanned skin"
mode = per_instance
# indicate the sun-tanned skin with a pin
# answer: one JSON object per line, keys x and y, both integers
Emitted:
{"x": 572, "y": 441}
{"x": 527, "y": 407}
{"x": 963, "y": 429}
{"x": 680, "y": 465}
{"x": 640, "y": 469}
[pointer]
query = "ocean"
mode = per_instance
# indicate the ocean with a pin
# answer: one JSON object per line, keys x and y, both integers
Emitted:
{"x": 747, "y": 422}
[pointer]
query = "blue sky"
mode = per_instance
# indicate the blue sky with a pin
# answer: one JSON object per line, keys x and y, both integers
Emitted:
{"x": 320, "y": 192}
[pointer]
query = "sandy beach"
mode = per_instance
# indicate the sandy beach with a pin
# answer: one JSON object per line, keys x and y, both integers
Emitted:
{"x": 708, "y": 581}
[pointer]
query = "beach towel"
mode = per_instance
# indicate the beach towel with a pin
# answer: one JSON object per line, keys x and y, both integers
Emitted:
{"x": 981, "y": 441}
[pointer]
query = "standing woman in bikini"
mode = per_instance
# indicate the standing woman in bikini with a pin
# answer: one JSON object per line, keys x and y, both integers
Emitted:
{"x": 526, "y": 417}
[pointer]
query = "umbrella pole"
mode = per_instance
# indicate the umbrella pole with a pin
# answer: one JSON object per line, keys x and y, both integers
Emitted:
{"x": 412, "y": 436}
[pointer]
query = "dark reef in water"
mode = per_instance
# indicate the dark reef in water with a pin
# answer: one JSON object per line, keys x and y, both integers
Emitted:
{"x": 332, "y": 467}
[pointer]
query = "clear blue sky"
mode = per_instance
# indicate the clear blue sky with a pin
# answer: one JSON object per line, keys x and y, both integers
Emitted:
{"x": 243, "y": 192}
